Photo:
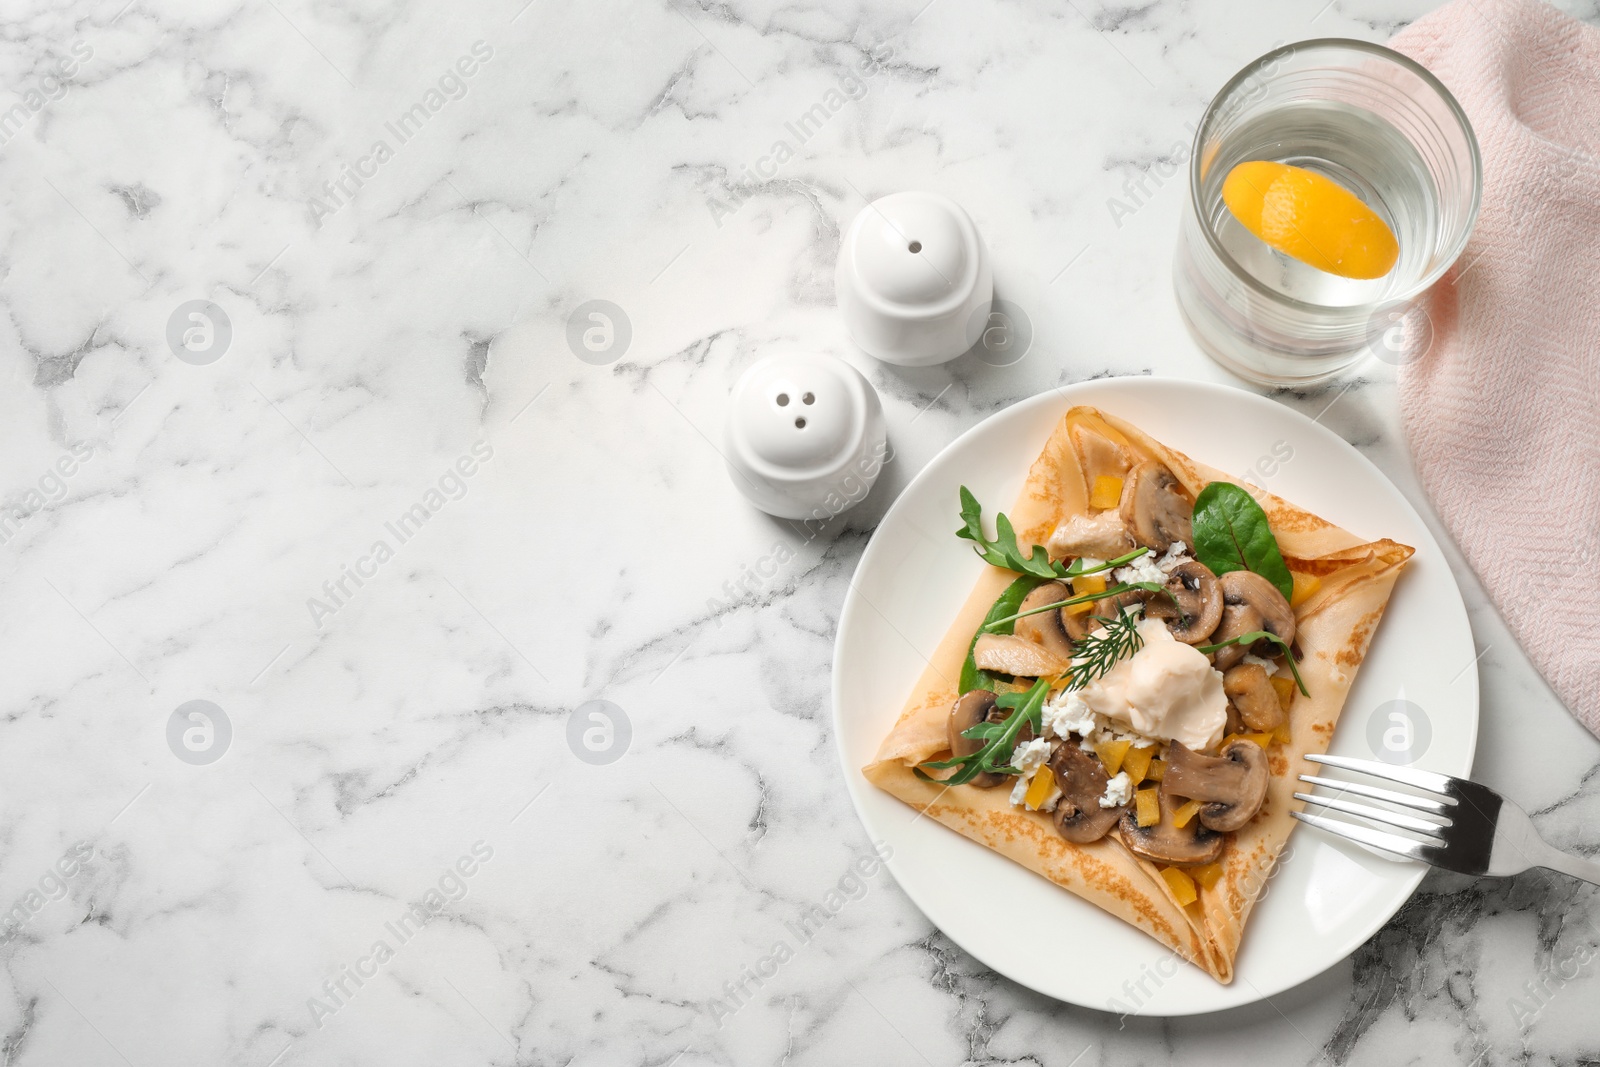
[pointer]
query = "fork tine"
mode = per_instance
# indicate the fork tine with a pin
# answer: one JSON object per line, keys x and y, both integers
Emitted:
{"x": 1378, "y": 815}
{"x": 1402, "y": 846}
{"x": 1437, "y": 783}
{"x": 1433, "y": 807}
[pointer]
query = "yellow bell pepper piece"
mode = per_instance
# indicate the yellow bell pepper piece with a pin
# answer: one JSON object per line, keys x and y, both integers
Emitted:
{"x": 1107, "y": 492}
{"x": 1087, "y": 583}
{"x": 1112, "y": 753}
{"x": 1181, "y": 884}
{"x": 1147, "y": 807}
{"x": 1185, "y": 811}
{"x": 1137, "y": 762}
{"x": 1044, "y": 781}
{"x": 1157, "y": 770}
{"x": 1281, "y": 733}
{"x": 1207, "y": 876}
{"x": 1284, "y": 687}
{"x": 1261, "y": 739}
{"x": 1305, "y": 587}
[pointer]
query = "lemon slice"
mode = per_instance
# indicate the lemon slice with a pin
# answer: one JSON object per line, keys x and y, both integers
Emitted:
{"x": 1312, "y": 218}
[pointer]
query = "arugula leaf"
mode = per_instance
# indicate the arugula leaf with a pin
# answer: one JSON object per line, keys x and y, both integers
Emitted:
{"x": 1231, "y": 534}
{"x": 1262, "y": 635}
{"x": 1003, "y": 551}
{"x": 1009, "y": 622}
{"x": 1005, "y": 605}
{"x": 1078, "y": 568}
{"x": 1027, "y": 709}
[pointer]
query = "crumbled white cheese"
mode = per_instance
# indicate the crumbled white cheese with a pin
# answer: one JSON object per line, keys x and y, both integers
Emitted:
{"x": 1051, "y": 800}
{"x": 1116, "y": 730}
{"x": 1027, "y": 757}
{"x": 1176, "y": 554}
{"x": 1088, "y": 563}
{"x": 1143, "y": 569}
{"x": 1066, "y": 714}
{"x": 1118, "y": 791}
{"x": 1030, "y": 755}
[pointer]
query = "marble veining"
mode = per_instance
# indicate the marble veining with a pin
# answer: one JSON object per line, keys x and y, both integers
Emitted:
{"x": 298, "y": 425}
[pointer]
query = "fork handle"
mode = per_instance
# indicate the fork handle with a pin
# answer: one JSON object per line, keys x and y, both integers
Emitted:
{"x": 1577, "y": 866}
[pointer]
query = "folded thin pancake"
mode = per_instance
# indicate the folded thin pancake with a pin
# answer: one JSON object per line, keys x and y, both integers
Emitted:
{"x": 1334, "y": 628}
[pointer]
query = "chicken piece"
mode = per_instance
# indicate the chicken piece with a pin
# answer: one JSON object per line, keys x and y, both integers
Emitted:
{"x": 1100, "y": 536}
{"x": 1017, "y": 656}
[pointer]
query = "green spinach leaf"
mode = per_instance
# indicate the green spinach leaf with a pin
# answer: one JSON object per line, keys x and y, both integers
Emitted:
{"x": 1231, "y": 534}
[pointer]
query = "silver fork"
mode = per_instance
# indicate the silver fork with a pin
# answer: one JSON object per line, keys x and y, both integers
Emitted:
{"x": 1471, "y": 829}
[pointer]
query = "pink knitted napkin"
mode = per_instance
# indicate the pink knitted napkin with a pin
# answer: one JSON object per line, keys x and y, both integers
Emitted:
{"x": 1503, "y": 408}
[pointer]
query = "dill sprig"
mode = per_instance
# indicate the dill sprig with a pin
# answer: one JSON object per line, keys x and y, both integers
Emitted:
{"x": 1095, "y": 655}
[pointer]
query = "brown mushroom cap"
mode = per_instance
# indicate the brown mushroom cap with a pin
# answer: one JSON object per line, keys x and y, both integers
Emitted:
{"x": 1230, "y": 786}
{"x": 1082, "y": 780}
{"x": 971, "y": 708}
{"x": 1046, "y": 628}
{"x": 1191, "y": 845}
{"x": 1191, "y": 604}
{"x": 1249, "y": 603}
{"x": 1154, "y": 507}
{"x": 1250, "y": 689}
{"x": 1236, "y": 619}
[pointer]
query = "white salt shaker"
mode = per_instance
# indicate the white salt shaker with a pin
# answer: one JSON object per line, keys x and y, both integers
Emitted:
{"x": 914, "y": 281}
{"x": 805, "y": 437}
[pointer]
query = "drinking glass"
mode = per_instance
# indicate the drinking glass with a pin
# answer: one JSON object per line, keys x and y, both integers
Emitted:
{"x": 1376, "y": 123}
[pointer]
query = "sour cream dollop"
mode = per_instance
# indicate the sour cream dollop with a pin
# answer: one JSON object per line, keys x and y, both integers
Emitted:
{"x": 1165, "y": 690}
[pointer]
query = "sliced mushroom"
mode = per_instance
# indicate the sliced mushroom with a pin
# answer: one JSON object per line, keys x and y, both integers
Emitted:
{"x": 1154, "y": 508}
{"x": 973, "y": 707}
{"x": 1082, "y": 780}
{"x": 1078, "y": 625}
{"x": 1250, "y": 690}
{"x": 1046, "y": 627}
{"x": 1191, "y": 845}
{"x": 1250, "y": 603}
{"x": 1102, "y": 535}
{"x": 1230, "y": 786}
{"x": 1191, "y": 603}
{"x": 1014, "y": 655}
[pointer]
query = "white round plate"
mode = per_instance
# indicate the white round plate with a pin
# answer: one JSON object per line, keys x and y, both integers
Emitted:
{"x": 1327, "y": 896}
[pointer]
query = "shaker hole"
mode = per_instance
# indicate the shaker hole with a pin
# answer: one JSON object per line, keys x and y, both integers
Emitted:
{"x": 914, "y": 246}
{"x": 809, "y": 398}
{"x": 800, "y": 424}
{"x": 783, "y": 400}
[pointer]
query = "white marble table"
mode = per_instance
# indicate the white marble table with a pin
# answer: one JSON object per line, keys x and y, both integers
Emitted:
{"x": 395, "y": 372}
